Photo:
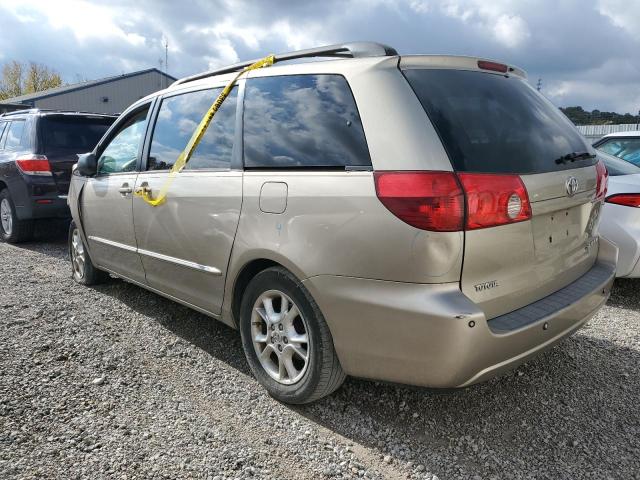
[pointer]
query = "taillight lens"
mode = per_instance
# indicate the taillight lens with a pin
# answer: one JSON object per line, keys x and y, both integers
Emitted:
{"x": 34, "y": 165}
{"x": 436, "y": 200}
{"x": 626, "y": 199}
{"x": 426, "y": 200}
{"x": 603, "y": 178}
{"x": 494, "y": 200}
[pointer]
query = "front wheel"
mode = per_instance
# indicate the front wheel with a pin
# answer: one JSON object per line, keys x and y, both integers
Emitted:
{"x": 286, "y": 339}
{"x": 82, "y": 269}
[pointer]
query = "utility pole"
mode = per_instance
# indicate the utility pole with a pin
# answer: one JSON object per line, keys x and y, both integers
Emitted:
{"x": 539, "y": 84}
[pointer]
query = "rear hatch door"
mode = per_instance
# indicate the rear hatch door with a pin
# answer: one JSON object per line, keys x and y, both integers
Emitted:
{"x": 496, "y": 124}
{"x": 62, "y": 137}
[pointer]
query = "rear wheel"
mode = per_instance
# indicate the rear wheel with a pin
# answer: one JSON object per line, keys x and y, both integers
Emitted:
{"x": 286, "y": 340}
{"x": 82, "y": 269}
{"x": 12, "y": 229}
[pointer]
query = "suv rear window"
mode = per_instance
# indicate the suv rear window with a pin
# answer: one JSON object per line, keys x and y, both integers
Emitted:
{"x": 494, "y": 123}
{"x": 302, "y": 121}
{"x": 72, "y": 132}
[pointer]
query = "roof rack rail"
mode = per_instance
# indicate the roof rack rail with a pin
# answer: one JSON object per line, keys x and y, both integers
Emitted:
{"x": 341, "y": 50}
{"x": 54, "y": 111}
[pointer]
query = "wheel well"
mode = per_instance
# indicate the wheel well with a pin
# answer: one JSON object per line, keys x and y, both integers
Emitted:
{"x": 2, "y": 185}
{"x": 249, "y": 271}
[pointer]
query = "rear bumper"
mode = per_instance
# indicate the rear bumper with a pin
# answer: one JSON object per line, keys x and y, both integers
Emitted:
{"x": 621, "y": 226}
{"x": 38, "y": 197}
{"x": 55, "y": 207}
{"x": 433, "y": 335}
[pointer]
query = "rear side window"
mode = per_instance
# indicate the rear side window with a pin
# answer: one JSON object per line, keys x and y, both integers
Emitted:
{"x": 79, "y": 134}
{"x": 17, "y": 136}
{"x": 495, "y": 124}
{"x": 625, "y": 148}
{"x": 179, "y": 117}
{"x": 302, "y": 121}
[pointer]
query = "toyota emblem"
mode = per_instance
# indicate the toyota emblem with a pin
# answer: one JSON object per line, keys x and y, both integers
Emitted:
{"x": 571, "y": 186}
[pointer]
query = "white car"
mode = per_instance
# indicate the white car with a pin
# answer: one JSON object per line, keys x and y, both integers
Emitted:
{"x": 624, "y": 145}
{"x": 620, "y": 220}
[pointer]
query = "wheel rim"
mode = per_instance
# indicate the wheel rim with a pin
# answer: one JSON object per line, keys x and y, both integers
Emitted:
{"x": 280, "y": 337}
{"x": 6, "y": 216}
{"x": 77, "y": 254}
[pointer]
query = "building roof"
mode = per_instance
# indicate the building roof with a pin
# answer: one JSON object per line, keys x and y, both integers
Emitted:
{"x": 80, "y": 86}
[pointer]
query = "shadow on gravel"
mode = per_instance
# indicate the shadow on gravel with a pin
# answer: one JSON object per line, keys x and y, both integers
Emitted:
{"x": 50, "y": 238}
{"x": 626, "y": 294}
{"x": 211, "y": 336}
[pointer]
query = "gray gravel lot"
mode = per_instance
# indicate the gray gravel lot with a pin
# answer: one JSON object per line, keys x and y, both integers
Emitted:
{"x": 116, "y": 382}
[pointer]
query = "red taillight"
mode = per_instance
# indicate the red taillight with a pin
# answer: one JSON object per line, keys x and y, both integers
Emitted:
{"x": 34, "y": 165}
{"x": 494, "y": 200}
{"x": 436, "y": 200}
{"x": 626, "y": 199}
{"x": 426, "y": 200}
{"x": 603, "y": 177}
{"x": 493, "y": 66}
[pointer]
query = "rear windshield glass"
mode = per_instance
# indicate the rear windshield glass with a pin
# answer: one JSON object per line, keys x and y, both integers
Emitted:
{"x": 496, "y": 124}
{"x": 73, "y": 133}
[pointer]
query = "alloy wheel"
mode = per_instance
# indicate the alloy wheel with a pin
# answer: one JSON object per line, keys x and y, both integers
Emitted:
{"x": 280, "y": 337}
{"x": 77, "y": 254}
{"x": 6, "y": 216}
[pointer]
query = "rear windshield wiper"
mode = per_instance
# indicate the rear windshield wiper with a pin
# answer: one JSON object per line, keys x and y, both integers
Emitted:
{"x": 573, "y": 156}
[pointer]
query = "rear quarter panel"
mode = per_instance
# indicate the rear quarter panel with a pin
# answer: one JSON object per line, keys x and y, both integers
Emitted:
{"x": 335, "y": 225}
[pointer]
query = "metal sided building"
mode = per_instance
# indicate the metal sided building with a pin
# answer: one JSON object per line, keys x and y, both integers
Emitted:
{"x": 106, "y": 95}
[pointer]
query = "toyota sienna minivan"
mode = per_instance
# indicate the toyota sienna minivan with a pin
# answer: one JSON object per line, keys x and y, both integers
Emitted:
{"x": 422, "y": 219}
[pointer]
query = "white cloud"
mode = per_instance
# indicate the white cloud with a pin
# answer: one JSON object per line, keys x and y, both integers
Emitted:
{"x": 84, "y": 19}
{"x": 591, "y": 59}
{"x": 498, "y": 18}
{"x": 622, "y": 13}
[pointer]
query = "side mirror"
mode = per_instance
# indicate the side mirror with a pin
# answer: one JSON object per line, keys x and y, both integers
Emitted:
{"x": 87, "y": 164}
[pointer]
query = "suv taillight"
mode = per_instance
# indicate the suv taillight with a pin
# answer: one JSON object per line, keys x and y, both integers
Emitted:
{"x": 436, "y": 200}
{"x": 603, "y": 178}
{"x": 425, "y": 200}
{"x": 494, "y": 199}
{"x": 626, "y": 199}
{"x": 34, "y": 165}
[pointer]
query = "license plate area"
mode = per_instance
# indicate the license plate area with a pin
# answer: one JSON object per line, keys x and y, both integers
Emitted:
{"x": 561, "y": 231}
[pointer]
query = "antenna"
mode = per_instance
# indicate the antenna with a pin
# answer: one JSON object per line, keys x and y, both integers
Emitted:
{"x": 166, "y": 61}
{"x": 539, "y": 84}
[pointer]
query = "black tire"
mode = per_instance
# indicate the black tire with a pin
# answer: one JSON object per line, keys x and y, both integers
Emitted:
{"x": 18, "y": 230}
{"x": 85, "y": 273}
{"x": 323, "y": 373}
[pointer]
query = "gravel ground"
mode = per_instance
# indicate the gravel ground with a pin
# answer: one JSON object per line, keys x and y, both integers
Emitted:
{"x": 116, "y": 382}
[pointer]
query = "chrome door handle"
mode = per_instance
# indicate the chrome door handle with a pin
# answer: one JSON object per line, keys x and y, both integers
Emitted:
{"x": 125, "y": 189}
{"x": 143, "y": 189}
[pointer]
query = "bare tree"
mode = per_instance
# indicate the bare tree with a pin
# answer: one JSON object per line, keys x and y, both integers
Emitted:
{"x": 40, "y": 77}
{"x": 21, "y": 78}
{"x": 11, "y": 84}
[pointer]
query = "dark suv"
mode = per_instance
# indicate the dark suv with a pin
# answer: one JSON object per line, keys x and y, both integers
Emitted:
{"x": 38, "y": 148}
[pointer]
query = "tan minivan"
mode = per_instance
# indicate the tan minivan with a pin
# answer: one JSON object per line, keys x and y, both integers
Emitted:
{"x": 429, "y": 220}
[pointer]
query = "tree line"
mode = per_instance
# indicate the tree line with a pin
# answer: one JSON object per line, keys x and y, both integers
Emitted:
{"x": 21, "y": 78}
{"x": 579, "y": 116}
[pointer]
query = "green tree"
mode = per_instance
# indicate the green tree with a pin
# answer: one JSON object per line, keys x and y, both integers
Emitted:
{"x": 22, "y": 78}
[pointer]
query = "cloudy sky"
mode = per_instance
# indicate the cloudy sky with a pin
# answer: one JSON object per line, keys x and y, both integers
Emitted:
{"x": 587, "y": 52}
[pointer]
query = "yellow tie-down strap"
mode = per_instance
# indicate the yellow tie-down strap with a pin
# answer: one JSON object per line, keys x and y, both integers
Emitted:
{"x": 185, "y": 155}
